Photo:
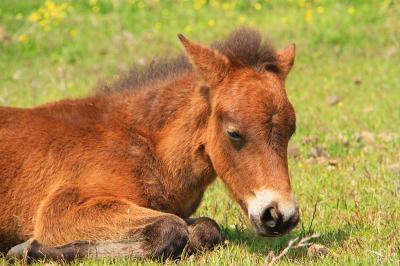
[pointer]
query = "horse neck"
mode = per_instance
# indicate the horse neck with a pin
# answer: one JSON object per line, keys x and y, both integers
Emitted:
{"x": 176, "y": 114}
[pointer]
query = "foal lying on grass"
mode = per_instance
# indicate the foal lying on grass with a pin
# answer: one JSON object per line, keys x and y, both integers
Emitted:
{"x": 120, "y": 173}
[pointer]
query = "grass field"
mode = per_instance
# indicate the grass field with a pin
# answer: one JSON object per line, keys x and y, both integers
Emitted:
{"x": 345, "y": 87}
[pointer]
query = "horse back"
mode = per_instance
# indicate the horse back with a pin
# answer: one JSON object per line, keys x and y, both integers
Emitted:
{"x": 41, "y": 149}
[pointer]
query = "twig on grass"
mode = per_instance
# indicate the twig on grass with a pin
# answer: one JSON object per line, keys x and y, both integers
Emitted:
{"x": 293, "y": 244}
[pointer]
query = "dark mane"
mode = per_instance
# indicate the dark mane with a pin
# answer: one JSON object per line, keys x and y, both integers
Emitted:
{"x": 244, "y": 46}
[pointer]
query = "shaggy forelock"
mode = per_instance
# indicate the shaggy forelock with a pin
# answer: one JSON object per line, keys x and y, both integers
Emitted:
{"x": 243, "y": 46}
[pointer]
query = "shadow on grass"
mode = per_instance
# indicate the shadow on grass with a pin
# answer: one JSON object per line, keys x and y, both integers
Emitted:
{"x": 263, "y": 245}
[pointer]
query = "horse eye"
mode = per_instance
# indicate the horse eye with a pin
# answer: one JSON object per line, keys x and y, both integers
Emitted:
{"x": 234, "y": 135}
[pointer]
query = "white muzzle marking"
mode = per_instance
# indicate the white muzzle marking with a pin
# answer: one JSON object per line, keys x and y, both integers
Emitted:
{"x": 256, "y": 204}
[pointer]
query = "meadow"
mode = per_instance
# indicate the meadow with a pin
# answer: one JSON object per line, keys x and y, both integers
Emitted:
{"x": 344, "y": 159}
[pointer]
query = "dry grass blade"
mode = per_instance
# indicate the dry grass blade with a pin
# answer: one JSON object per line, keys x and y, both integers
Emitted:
{"x": 283, "y": 253}
{"x": 305, "y": 241}
{"x": 293, "y": 244}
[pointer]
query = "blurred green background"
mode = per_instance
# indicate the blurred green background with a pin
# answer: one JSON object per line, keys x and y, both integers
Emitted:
{"x": 345, "y": 87}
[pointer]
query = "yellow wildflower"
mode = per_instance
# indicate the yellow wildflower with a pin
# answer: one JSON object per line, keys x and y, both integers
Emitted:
{"x": 211, "y": 23}
{"x": 227, "y": 6}
{"x": 22, "y": 38}
{"x": 308, "y": 16}
{"x": 351, "y": 10}
{"x": 257, "y": 6}
{"x": 320, "y": 9}
{"x": 50, "y": 5}
{"x": 50, "y": 14}
{"x": 34, "y": 17}
{"x": 284, "y": 19}
{"x": 198, "y": 4}
{"x": 188, "y": 28}
{"x": 72, "y": 33}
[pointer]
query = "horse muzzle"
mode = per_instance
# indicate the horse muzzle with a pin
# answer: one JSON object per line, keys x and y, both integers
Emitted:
{"x": 270, "y": 216}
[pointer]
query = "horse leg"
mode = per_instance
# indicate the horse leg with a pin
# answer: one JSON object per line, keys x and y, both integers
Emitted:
{"x": 204, "y": 234}
{"x": 113, "y": 227}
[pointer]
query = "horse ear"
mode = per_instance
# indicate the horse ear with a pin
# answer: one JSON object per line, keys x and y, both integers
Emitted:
{"x": 285, "y": 58}
{"x": 211, "y": 65}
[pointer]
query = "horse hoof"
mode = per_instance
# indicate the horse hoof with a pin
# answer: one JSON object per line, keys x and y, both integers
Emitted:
{"x": 20, "y": 251}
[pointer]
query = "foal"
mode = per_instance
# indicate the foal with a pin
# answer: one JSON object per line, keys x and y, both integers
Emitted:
{"x": 120, "y": 173}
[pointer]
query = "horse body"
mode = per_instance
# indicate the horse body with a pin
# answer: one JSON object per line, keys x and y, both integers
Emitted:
{"x": 125, "y": 170}
{"x": 101, "y": 148}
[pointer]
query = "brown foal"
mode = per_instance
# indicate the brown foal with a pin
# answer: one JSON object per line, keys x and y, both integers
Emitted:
{"x": 120, "y": 173}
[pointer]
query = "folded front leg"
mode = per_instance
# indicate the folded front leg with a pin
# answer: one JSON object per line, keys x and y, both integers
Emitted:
{"x": 108, "y": 226}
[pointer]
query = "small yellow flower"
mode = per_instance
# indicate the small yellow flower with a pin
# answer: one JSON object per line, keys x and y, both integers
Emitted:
{"x": 50, "y": 5}
{"x": 198, "y": 4}
{"x": 320, "y": 9}
{"x": 284, "y": 19}
{"x": 188, "y": 28}
{"x": 227, "y": 6}
{"x": 34, "y": 17}
{"x": 22, "y": 38}
{"x": 351, "y": 10}
{"x": 308, "y": 16}
{"x": 211, "y": 23}
{"x": 50, "y": 14}
{"x": 257, "y": 6}
{"x": 72, "y": 33}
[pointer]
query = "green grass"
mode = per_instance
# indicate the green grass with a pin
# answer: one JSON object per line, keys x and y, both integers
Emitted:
{"x": 357, "y": 201}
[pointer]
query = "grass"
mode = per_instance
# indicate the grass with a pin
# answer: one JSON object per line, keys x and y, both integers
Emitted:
{"x": 349, "y": 50}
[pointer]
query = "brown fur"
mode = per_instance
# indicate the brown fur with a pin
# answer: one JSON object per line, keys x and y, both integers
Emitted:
{"x": 132, "y": 161}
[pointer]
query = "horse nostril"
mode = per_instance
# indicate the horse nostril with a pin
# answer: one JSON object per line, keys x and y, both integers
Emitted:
{"x": 270, "y": 217}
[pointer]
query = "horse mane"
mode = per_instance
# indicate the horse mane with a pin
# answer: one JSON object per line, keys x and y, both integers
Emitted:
{"x": 243, "y": 46}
